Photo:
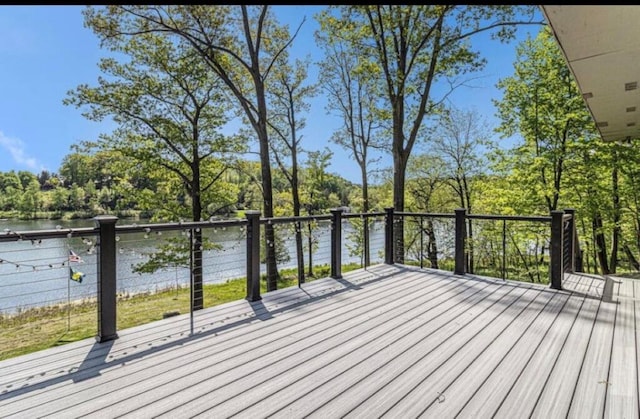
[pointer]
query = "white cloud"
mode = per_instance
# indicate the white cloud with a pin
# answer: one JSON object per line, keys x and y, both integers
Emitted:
{"x": 15, "y": 147}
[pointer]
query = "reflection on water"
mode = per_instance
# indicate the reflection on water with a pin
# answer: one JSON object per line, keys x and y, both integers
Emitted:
{"x": 36, "y": 274}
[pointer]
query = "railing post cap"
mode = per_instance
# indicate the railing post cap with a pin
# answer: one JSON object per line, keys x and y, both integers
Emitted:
{"x": 460, "y": 210}
{"x": 557, "y": 212}
{"x": 338, "y": 209}
{"x": 105, "y": 219}
{"x": 252, "y": 213}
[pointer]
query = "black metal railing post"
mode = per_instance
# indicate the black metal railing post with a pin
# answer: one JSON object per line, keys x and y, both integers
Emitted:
{"x": 336, "y": 243}
{"x": 388, "y": 236}
{"x": 461, "y": 232}
{"x": 253, "y": 255}
{"x": 556, "y": 270}
{"x": 106, "y": 274}
{"x": 570, "y": 241}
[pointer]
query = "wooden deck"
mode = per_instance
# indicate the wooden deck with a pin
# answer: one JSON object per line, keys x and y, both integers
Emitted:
{"x": 389, "y": 341}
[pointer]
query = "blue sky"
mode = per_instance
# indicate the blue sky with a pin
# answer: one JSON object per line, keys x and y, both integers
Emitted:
{"x": 45, "y": 51}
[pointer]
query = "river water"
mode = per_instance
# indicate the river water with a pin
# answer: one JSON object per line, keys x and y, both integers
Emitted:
{"x": 38, "y": 274}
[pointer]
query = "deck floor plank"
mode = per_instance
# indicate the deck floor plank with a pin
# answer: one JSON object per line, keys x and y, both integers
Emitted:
{"x": 520, "y": 398}
{"x": 389, "y": 340}
{"x": 589, "y": 395}
{"x": 322, "y": 389}
{"x": 437, "y": 396}
{"x": 622, "y": 390}
{"x": 489, "y": 322}
{"x": 479, "y": 391}
{"x": 234, "y": 337}
{"x": 327, "y": 348}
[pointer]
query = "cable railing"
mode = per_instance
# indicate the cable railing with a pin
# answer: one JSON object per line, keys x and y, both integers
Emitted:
{"x": 128, "y": 275}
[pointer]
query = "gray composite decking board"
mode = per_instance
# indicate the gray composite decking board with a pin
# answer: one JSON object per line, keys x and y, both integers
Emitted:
{"x": 128, "y": 374}
{"x": 577, "y": 283}
{"x": 489, "y": 347}
{"x": 478, "y": 391}
{"x": 556, "y": 397}
{"x": 424, "y": 365}
{"x": 335, "y": 395}
{"x": 382, "y": 340}
{"x": 382, "y": 326}
{"x": 63, "y": 356}
{"x": 121, "y": 348}
{"x": 622, "y": 391}
{"x": 144, "y": 336}
{"x": 139, "y": 387}
{"x": 519, "y": 399}
{"x": 323, "y": 386}
{"x": 584, "y": 284}
{"x": 557, "y": 391}
{"x": 122, "y": 340}
{"x": 589, "y": 395}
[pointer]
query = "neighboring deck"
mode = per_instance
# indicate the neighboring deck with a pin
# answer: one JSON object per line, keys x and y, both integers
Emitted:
{"x": 392, "y": 341}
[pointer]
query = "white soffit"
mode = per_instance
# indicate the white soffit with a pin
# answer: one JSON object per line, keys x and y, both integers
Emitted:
{"x": 602, "y": 47}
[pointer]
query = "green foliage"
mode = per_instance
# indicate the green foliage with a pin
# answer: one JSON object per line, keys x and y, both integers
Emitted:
{"x": 173, "y": 252}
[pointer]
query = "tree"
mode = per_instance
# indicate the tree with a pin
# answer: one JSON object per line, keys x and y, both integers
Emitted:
{"x": 459, "y": 140}
{"x": 353, "y": 94}
{"x": 287, "y": 96}
{"x": 415, "y": 47}
{"x": 240, "y": 44}
{"x": 543, "y": 104}
{"x": 316, "y": 197}
{"x": 558, "y": 158}
{"x": 169, "y": 108}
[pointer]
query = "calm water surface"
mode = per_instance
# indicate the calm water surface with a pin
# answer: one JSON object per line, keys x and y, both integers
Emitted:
{"x": 37, "y": 274}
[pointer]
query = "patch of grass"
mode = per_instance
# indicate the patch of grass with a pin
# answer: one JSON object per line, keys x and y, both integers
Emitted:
{"x": 45, "y": 327}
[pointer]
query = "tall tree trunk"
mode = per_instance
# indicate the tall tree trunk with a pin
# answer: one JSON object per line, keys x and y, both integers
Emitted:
{"x": 267, "y": 191}
{"x": 310, "y": 243}
{"x": 632, "y": 259}
{"x": 399, "y": 166}
{"x": 295, "y": 192}
{"x": 600, "y": 243}
{"x": 615, "y": 195}
{"x": 432, "y": 246}
{"x": 365, "y": 209}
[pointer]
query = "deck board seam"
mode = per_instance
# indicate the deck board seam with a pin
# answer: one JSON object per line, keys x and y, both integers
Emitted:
{"x": 557, "y": 315}
{"x": 374, "y": 296}
{"x": 256, "y": 384}
{"x": 557, "y": 357}
{"x": 441, "y": 343}
{"x": 488, "y": 345}
{"x": 418, "y": 278}
{"x": 300, "y": 396}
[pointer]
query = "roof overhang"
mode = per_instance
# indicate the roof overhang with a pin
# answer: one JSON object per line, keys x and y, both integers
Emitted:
{"x": 601, "y": 45}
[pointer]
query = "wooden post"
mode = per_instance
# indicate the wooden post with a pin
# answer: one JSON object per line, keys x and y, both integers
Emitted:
{"x": 336, "y": 243}
{"x": 388, "y": 236}
{"x": 106, "y": 273}
{"x": 556, "y": 271}
{"x": 461, "y": 232}
{"x": 253, "y": 255}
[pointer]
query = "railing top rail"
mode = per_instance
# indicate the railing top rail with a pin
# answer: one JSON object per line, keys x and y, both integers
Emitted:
{"x": 12, "y": 236}
{"x": 142, "y": 228}
{"x": 424, "y": 214}
{"x": 537, "y": 219}
{"x": 363, "y": 214}
{"x": 302, "y": 218}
